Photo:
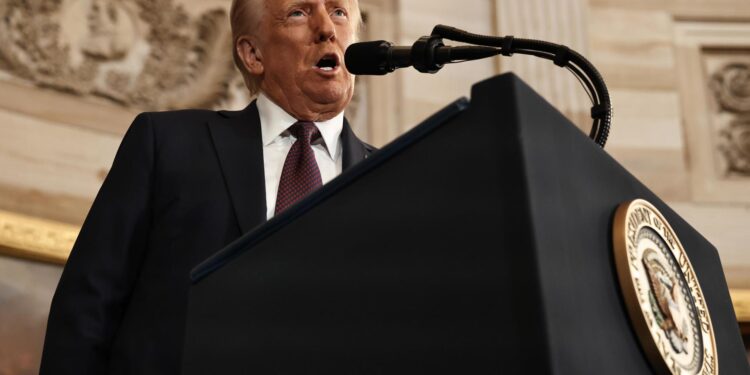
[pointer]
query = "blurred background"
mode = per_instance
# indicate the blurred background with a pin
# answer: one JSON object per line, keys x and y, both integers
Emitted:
{"x": 74, "y": 73}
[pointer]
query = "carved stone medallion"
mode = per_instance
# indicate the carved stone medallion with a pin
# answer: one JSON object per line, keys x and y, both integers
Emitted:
{"x": 144, "y": 54}
{"x": 661, "y": 290}
{"x": 731, "y": 87}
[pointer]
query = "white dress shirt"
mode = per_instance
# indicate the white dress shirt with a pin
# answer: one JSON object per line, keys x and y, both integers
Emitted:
{"x": 274, "y": 124}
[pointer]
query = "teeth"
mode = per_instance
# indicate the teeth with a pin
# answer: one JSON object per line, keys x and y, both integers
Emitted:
{"x": 327, "y": 68}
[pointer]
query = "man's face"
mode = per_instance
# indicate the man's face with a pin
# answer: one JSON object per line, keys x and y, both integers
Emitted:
{"x": 301, "y": 46}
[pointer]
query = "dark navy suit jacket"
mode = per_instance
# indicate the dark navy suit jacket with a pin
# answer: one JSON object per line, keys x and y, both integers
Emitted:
{"x": 183, "y": 185}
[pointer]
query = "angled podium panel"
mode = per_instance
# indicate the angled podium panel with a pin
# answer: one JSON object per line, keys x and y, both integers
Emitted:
{"x": 480, "y": 242}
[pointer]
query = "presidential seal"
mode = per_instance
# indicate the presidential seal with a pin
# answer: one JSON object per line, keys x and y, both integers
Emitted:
{"x": 664, "y": 300}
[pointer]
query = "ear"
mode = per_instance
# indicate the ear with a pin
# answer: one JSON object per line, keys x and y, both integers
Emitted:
{"x": 249, "y": 53}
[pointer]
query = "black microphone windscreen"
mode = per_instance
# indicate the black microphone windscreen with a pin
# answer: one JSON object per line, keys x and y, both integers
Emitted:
{"x": 368, "y": 58}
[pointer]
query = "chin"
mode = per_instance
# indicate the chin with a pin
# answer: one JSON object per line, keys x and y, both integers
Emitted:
{"x": 333, "y": 94}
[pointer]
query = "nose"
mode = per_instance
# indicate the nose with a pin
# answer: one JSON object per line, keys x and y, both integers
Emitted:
{"x": 325, "y": 29}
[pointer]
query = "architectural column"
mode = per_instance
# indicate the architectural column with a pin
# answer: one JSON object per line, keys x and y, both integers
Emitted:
{"x": 558, "y": 21}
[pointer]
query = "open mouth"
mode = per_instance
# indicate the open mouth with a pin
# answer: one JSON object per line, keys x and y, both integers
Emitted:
{"x": 328, "y": 63}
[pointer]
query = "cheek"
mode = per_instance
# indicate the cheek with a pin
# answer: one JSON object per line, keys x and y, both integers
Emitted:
{"x": 287, "y": 49}
{"x": 345, "y": 34}
{"x": 287, "y": 64}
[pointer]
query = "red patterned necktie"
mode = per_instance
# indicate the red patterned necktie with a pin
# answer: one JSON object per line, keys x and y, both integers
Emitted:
{"x": 300, "y": 175}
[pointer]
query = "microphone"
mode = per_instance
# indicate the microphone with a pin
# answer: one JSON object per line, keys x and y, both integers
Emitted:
{"x": 376, "y": 58}
{"x": 427, "y": 55}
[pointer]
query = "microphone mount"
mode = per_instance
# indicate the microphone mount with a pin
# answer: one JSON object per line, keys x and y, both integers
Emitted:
{"x": 423, "y": 54}
{"x": 429, "y": 54}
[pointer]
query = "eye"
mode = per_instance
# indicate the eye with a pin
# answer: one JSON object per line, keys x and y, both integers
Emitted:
{"x": 296, "y": 13}
{"x": 339, "y": 13}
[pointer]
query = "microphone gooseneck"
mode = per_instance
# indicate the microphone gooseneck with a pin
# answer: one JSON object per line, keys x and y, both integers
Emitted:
{"x": 590, "y": 78}
{"x": 429, "y": 54}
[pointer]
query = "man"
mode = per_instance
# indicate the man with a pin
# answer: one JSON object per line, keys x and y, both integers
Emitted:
{"x": 184, "y": 184}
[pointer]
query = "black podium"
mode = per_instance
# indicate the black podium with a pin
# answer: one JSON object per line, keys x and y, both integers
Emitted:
{"x": 477, "y": 243}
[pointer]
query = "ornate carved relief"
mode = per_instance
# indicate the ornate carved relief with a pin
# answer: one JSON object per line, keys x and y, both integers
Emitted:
{"x": 730, "y": 85}
{"x": 712, "y": 69}
{"x": 735, "y": 145}
{"x": 145, "y": 54}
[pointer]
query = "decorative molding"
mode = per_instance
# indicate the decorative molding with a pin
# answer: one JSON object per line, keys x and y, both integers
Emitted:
{"x": 712, "y": 64}
{"x": 33, "y": 238}
{"x": 141, "y": 54}
{"x": 731, "y": 88}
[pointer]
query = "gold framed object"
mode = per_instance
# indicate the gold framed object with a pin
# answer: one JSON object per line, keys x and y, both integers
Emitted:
{"x": 33, "y": 238}
{"x": 662, "y": 294}
{"x": 741, "y": 303}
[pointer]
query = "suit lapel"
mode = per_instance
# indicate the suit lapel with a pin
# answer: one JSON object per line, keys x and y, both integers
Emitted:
{"x": 354, "y": 150}
{"x": 239, "y": 146}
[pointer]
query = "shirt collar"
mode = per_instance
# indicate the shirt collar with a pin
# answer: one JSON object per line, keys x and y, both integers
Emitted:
{"x": 274, "y": 121}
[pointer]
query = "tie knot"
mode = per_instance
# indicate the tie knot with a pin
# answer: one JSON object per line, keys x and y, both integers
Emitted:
{"x": 305, "y": 130}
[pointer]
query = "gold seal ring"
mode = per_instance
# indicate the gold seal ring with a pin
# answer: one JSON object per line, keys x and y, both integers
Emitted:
{"x": 664, "y": 300}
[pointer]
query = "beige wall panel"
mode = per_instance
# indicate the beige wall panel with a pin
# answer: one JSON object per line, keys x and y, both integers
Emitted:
{"x": 558, "y": 21}
{"x": 43, "y": 162}
{"x": 92, "y": 113}
{"x": 418, "y": 110}
{"x": 418, "y": 17}
{"x": 661, "y": 170}
{"x": 424, "y": 94}
{"x": 726, "y": 227}
{"x": 647, "y": 139}
{"x": 632, "y": 48}
{"x": 36, "y": 153}
{"x": 38, "y": 203}
{"x": 377, "y": 100}
{"x": 693, "y": 9}
{"x": 646, "y": 119}
{"x": 452, "y": 81}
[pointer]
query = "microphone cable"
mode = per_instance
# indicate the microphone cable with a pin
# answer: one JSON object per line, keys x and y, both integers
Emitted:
{"x": 589, "y": 77}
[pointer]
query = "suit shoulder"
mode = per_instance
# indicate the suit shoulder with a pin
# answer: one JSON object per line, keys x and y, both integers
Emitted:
{"x": 184, "y": 117}
{"x": 175, "y": 129}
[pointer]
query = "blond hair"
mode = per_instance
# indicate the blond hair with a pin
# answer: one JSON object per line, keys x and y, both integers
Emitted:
{"x": 245, "y": 17}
